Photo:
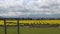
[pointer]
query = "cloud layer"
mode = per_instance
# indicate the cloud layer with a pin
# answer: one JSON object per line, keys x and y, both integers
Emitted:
{"x": 29, "y": 7}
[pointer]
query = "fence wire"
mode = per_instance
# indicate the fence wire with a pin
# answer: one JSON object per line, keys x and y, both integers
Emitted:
{"x": 5, "y": 27}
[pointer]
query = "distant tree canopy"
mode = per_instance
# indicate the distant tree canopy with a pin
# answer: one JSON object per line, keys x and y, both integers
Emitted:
{"x": 34, "y": 18}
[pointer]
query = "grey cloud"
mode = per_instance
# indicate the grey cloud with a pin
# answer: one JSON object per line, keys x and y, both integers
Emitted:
{"x": 33, "y": 7}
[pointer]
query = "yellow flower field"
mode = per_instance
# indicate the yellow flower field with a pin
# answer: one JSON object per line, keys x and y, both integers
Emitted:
{"x": 14, "y": 22}
{"x": 40, "y": 21}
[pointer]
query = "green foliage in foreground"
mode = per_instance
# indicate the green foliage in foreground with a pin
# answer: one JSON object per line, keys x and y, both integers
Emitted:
{"x": 32, "y": 31}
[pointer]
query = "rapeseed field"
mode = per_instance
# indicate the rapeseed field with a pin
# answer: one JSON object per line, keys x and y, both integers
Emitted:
{"x": 14, "y": 22}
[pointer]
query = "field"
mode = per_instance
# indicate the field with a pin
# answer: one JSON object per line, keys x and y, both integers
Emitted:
{"x": 40, "y": 21}
{"x": 40, "y": 31}
{"x": 32, "y": 31}
{"x": 14, "y": 22}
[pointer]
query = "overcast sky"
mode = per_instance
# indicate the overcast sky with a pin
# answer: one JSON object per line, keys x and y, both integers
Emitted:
{"x": 16, "y": 8}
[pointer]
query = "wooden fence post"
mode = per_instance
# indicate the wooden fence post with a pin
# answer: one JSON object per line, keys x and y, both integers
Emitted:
{"x": 18, "y": 26}
{"x": 5, "y": 26}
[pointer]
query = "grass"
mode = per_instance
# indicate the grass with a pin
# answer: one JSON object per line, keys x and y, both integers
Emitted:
{"x": 40, "y": 31}
{"x": 9, "y": 30}
{"x": 32, "y": 31}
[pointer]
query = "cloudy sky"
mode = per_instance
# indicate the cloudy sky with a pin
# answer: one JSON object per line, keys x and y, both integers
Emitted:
{"x": 30, "y": 8}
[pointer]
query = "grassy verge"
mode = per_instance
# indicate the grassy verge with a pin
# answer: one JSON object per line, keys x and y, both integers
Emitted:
{"x": 31, "y": 30}
{"x": 40, "y": 31}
